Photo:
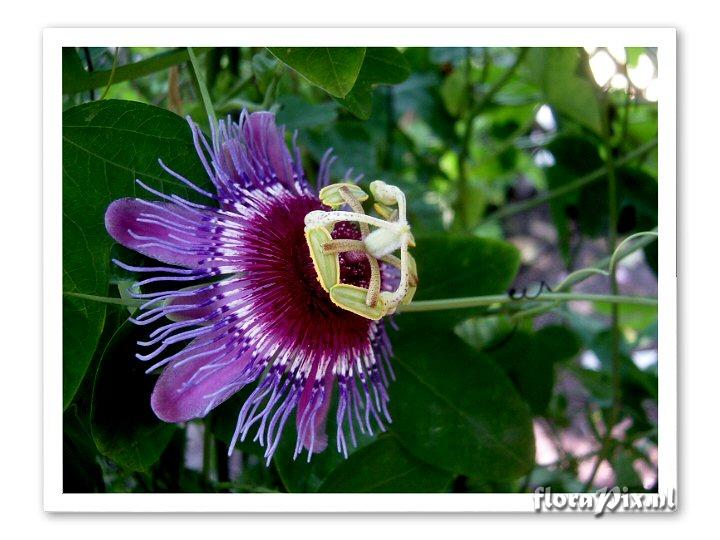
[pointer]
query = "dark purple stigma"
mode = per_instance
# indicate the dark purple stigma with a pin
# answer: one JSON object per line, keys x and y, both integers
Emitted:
{"x": 354, "y": 266}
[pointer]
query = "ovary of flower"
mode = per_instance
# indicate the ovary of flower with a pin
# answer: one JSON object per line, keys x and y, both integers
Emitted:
{"x": 389, "y": 235}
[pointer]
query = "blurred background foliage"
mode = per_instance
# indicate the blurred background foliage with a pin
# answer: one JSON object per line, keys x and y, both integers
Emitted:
{"x": 521, "y": 166}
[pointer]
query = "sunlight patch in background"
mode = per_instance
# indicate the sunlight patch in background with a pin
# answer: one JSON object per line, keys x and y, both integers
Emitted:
{"x": 633, "y": 70}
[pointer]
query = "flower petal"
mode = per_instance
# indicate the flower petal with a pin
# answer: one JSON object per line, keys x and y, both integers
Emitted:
{"x": 204, "y": 300}
{"x": 192, "y": 386}
{"x": 164, "y": 231}
{"x": 267, "y": 145}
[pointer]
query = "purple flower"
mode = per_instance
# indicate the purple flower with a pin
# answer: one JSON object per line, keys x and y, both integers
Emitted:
{"x": 248, "y": 302}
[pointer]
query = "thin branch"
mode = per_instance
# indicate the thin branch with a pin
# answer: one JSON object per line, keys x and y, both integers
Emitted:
{"x": 523, "y": 206}
{"x": 493, "y": 299}
{"x": 160, "y": 61}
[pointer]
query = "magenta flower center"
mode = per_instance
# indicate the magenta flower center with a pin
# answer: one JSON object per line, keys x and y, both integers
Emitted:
{"x": 311, "y": 313}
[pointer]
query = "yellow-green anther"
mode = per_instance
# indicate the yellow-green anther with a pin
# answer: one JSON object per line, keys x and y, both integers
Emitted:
{"x": 327, "y": 265}
{"x": 411, "y": 239}
{"x": 383, "y": 193}
{"x": 409, "y": 295}
{"x": 412, "y": 270}
{"x": 353, "y": 298}
{"x": 331, "y": 195}
{"x": 383, "y": 211}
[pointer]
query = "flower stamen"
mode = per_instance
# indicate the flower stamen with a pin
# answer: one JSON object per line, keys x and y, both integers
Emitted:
{"x": 388, "y": 236}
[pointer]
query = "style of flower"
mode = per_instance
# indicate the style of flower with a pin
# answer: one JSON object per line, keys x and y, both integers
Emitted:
{"x": 278, "y": 284}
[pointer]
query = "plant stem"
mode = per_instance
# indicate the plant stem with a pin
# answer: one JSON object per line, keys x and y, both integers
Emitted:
{"x": 204, "y": 94}
{"x": 112, "y": 74}
{"x": 614, "y": 416}
{"x": 106, "y": 299}
{"x": 463, "y": 154}
{"x": 479, "y": 301}
{"x": 517, "y": 208}
{"x": 622, "y": 251}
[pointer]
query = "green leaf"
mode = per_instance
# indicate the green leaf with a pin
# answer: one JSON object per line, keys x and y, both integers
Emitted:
{"x": 485, "y": 333}
{"x": 73, "y": 70}
{"x": 419, "y": 97}
{"x": 454, "y": 407}
{"x": 557, "y": 341}
{"x": 382, "y": 65}
{"x": 454, "y": 92}
{"x": 385, "y": 467}
{"x": 555, "y": 71}
{"x": 296, "y": 113}
{"x": 124, "y": 427}
{"x": 529, "y": 360}
{"x": 334, "y": 69}
{"x": 81, "y": 472}
{"x": 82, "y": 325}
{"x": 456, "y": 266}
{"x": 106, "y": 146}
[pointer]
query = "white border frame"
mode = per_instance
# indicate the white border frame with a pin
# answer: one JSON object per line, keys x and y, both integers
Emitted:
{"x": 53, "y": 40}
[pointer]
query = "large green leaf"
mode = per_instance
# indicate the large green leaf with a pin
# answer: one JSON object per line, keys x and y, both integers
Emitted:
{"x": 454, "y": 407}
{"x": 556, "y": 71}
{"x": 106, "y": 146}
{"x": 82, "y": 325}
{"x": 124, "y": 427}
{"x": 382, "y": 65}
{"x": 385, "y": 467}
{"x": 529, "y": 360}
{"x": 334, "y": 69}
{"x": 456, "y": 266}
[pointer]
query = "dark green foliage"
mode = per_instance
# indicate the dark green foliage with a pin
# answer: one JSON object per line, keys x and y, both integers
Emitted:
{"x": 457, "y": 266}
{"x": 380, "y": 65}
{"x": 455, "y": 408}
{"x": 385, "y": 467}
{"x": 334, "y": 69}
{"x": 529, "y": 359}
{"x": 123, "y": 426}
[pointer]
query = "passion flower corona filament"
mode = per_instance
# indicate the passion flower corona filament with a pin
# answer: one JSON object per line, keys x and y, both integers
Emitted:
{"x": 272, "y": 283}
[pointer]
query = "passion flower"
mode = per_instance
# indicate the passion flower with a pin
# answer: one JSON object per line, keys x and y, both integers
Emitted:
{"x": 279, "y": 284}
